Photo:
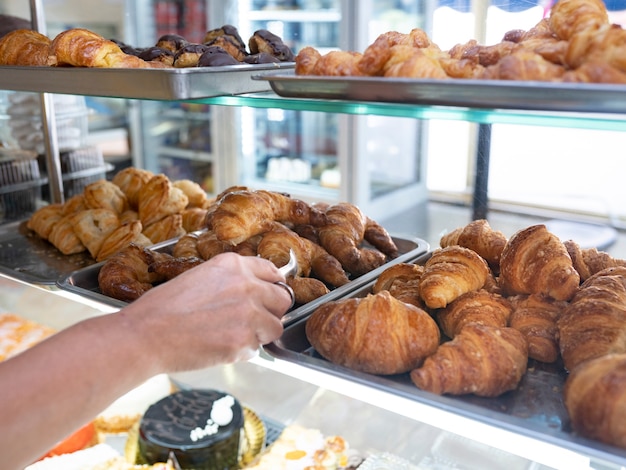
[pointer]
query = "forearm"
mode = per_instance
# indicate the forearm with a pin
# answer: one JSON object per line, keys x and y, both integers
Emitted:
{"x": 83, "y": 369}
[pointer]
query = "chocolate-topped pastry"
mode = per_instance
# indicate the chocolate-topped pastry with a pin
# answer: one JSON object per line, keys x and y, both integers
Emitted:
{"x": 204, "y": 429}
{"x": 229, "y": 45}
{"x": 226, "y": 30}
{"x": 215, "y": 56}
{"x": 157, "y": 54}
{"x": 171, "y": 42}
{"x": 260, "y": 58}
{"x": 127, "y": 48}
{"x": 188, "y": 56}
{"x": 264, "y": 41}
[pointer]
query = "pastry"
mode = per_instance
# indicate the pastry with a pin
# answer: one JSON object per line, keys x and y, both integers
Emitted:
{"x": 535, "y": 261}
{"x": 104, "y": 194}
{"x": 377, "y": 334}
{"x": 402, "y": 281}
{"x": 24, "y": 47}
{"x": 43, "y": 220}
{"x": 476, "y": 307}
{"x": 93, "y": 226}
{"x": 594, "y": 395}
{"x": 480, "y": 237}
{"x": 589, "y": 261}
{"x": 158, "y": 198}
{"x": 536, "y": 318}
{"x": 196, "y": 196}
{"x": 171, "y": 42}
{"x": 482, "y": 360}
{"x": 264, "y": 41}
{"x": 189, "y": 55}
{"x": 228, "y": 31}
{"x": 215, "y": 56}
{"x": 120, "y": 238}
{"x": 167, "y": 228}
{"x": 594, "y": 322}
{"x": 451, "y": 272}
{"x": 64, "y": 238}
{"x": 130, "y": 180}
{"x": 18, "y": 334}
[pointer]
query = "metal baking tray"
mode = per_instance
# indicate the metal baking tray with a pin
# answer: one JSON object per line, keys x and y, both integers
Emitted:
{"x": 27, "y": 257}
{"x": 151, "y": 84}
{"x": 84, "y": 281}
{"x": 535, "y": 409}
{"x": 486, "y": 94}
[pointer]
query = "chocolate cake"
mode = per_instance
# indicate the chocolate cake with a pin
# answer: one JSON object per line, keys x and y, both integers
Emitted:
{"x": 203, "y": 428}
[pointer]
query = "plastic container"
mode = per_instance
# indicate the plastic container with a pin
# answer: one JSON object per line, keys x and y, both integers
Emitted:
{"x": 20, "y": 184}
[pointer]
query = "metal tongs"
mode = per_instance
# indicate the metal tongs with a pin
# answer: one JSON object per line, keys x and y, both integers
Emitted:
{"x": 289, "y": 270}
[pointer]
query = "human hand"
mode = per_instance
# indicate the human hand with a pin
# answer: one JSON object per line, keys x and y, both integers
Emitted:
{"x": 218, "y": 312}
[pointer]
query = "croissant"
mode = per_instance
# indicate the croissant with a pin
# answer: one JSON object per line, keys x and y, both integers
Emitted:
{"x": 193, "y": 218}
{"x": 343, "y": 234}
{"x": 187, "y": 246}
{"x": 209, "y": 246}
{"x": 569, "y": 17}
{"x": 589, "y": 261}
{"x": 307, "y": 289}
{"x": 476, "y": 307}
{"x": 125, "y": 276}
{"x": 196, "y": 196}
{"x": 594, "y": 322}
{"x": 480, "y": 237}
{"x": 451, "y": 272}
{"x": 306, "y": 59}
{"x": 167, "y": 267}
{"x": 536, "y": 317}
{"x": 276, "y": 244}
{"x": 158, "y": 198}
{"x": 24, "y": 47}
{"x": 80, "y": 47}
{"x": 377, "y": 334}
{"x": 523, "y": 64}
{"x": 482, "y": 360}
{"x": 534, "y": 261}
{"x": 93, "y": 226}
{"x": 242, "y": 214}
{"x": 402, "y": 281}
{"x": 594, "y": 395}
{"x": 380, "y": 51}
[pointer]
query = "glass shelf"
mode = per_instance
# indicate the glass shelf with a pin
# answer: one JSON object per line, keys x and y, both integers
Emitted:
{"x": 612, "y": 122}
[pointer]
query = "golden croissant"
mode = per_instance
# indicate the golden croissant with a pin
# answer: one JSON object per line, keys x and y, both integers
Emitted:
{"x": 451, "y": 272}
{"x": 481, "y": 360}
{"x": 594, "y": 395}
{"x": 402, "y": 281}
{"x": 476, "y": 307}
{"x": 594, "y": 322}
{"x": 377, "y": 334}
{"x": 589, "y": 261}
{"x": 242, "y": 214}
{"x": 536, "y": 317}
{"x": 535, "y": 261}
{"x": 480, "y": 237}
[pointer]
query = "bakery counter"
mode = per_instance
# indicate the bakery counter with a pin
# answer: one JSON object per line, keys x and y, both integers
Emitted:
{"x": 373, "y": 421}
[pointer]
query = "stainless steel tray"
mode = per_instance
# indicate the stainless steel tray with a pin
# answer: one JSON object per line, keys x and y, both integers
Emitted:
{"x": 151, "y": 84}
{"x": 27, "y": 257}
{"x": 84, "y": 281}
{"x": 486, "y": 94}
{"x": 535, "y": 409}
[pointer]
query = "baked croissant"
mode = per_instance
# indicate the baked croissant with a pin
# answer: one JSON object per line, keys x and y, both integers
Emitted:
{"x": 476, "y": 307}
{"x": 589, "y": 261}
{"x": 209, "y": 246}
{"x": 482, "y": 360}
{"x": 80, "y": 47}
{"x": 24, "y": 47}
{"x": 376, "y": 334}
{"x": 187, "y": 246}
{"x": 402, "y": 281}
{"x": 451, "y": 272}
{"x": 594, "y": 395}
{"x": 594, "y": 322}
{"x": 306, "y": 289}
{"x": 242, "y": 214}
{"x": 125, "y": 276}
{"x": 130, "y": 181}
{"x": 535, "y": 261}
{"x": 570, "y": 17}
{"x": 480, "y": 237}
{"x": 536, "y": 317}
{"x": 343, "y": 234}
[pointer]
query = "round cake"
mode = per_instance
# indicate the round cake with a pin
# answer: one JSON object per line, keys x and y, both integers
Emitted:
{"x": 203, "y": 428}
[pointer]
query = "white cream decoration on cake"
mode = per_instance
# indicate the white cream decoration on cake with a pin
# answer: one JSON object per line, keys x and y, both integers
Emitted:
{"x": 221, "y": 415}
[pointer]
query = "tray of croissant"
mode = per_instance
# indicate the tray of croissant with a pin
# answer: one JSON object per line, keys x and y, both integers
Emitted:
{"x": 337, "y": 246}
{"x": 79, "y": 61}
{"x": 523, "y": 333}
{"x": 570, "y": 61}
